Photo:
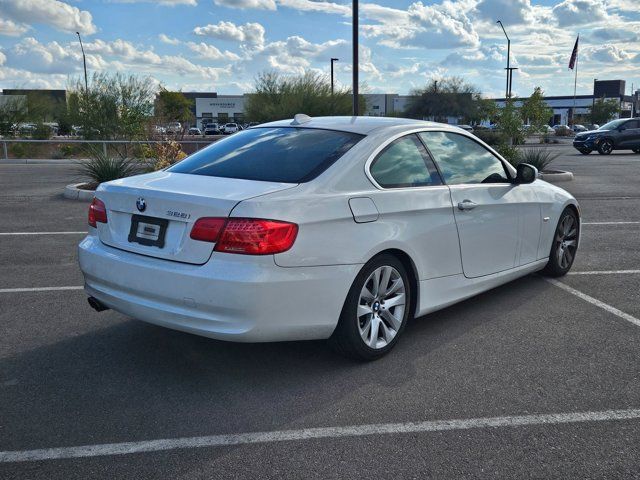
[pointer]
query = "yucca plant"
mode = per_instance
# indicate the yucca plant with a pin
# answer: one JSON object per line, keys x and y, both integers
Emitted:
{"x": 540, "y": 158}
{"x": 104, "y": 168}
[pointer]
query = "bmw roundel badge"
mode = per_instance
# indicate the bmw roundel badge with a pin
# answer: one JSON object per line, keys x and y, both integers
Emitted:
{"x": 141, "y": 204}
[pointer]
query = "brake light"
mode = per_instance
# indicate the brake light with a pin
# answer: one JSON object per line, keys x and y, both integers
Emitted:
{"x": 97, "y": 212}
{"x": 247, "y": 236}
{"x": 207, "y": 229}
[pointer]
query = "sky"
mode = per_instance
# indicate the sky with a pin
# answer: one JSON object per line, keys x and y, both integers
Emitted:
{"x": 222, "y": 45}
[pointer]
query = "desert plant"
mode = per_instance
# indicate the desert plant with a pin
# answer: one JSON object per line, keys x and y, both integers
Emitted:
{"x": 540, "y": 158}
{"x": 104, "y": 168}
{"x": 162, "y": 155}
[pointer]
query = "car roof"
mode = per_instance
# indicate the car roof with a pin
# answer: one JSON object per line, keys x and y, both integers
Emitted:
{"x": 360, "y": 125}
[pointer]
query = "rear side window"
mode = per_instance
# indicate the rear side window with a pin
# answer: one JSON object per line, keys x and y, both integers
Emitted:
{"x": 404, "y": 163}
{"x": 462, "y": 160}
{"x": 288, "y": 155}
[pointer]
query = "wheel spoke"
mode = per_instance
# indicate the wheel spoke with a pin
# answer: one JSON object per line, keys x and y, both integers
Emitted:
{"x": 391, "y": 320}
{"x": 366, "y": 294}
{"x": 364, "y": 310}
{"x": 384, "y": 281}
{"x": 395, "y": 286}
{"x": 392, "y": 302}
{"x": 569, "y": 256}
{"x": 387, "y": 333}
{"x": 570, "y": 243}
{"x": 376, "y": 283}
{"x": 375, "y": 326}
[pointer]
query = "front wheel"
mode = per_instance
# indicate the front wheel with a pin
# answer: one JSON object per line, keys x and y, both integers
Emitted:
{"x": 564, "y": 246}
{"x": 605, "y": 147}
{"x": 636, "y": 150}
{"x": 376, "y": 310}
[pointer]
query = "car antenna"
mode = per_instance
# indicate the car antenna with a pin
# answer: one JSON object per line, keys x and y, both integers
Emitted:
{"x": 300, "y": 118}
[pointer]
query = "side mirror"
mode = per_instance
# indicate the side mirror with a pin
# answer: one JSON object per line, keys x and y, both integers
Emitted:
{"x": 525, "y": 173}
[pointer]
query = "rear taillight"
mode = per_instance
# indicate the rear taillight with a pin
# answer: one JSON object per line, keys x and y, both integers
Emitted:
{"x": 207, "y": 229}
{"x": 97, "y": 212}
{"x": 247, "y": 236}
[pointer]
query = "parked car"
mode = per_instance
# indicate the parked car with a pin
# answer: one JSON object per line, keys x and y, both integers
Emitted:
{"x": 467, "y": 128}
{"x": 230, "y": 128}
{"x": 563, "y": 130}
{"x": 211, "y": 129}
{"x": 577, "y": 128}
{"x": 174, "y": 128}
{"x": 333, "y": 227}
{"x": 621, "y": 134}
{"x": 592, "y": 126}
{"x": 194, "y": 131}
{"x": 549, "y": 130}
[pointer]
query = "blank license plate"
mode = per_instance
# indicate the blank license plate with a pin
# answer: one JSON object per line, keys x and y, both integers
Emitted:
{"x": 148, "y": 231}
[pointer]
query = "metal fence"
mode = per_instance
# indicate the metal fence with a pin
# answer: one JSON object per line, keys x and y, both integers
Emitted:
{"x": 104, "y": 143}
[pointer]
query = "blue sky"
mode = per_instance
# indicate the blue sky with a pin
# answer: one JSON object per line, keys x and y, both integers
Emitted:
{"x": 221, "y": 45}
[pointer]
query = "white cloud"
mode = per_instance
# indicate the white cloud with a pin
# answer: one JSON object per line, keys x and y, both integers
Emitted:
{"x": 169, "y": 40}
{"x": 607, "y": 53}
{"x": 168, "y": 3}
{"x": 312, "y": 6}
{"x": 210, "y": 52}
{"x": 261, "y": 4}
{"x": 509, "y": 11}
{"x": 12, "y": 29}
{"x": 3, "y": 58}
{"x": 51, "y": 58}
{"x": 251, "y": 34}
{"x": 577, "y": 12}
{"x": 58, "y": 14}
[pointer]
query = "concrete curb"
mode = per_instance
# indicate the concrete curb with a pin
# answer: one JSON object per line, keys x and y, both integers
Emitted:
{"x": 42, "y": 161}
{"x": 559, "y": 176}
{"x": 72, "y": 192}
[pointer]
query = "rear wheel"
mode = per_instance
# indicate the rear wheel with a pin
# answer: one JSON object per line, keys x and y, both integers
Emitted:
{"x": 564, "y": 246}
{"x": 376, "y": 310}
{"x": 605, "y": 147}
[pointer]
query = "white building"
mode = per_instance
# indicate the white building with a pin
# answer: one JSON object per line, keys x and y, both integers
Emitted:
{"x": 220, "y": 109}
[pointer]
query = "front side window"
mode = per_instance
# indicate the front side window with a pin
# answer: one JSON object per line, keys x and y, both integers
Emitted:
{"x": 404, "y": 163}
{"x": 462, "y": 160}
{"x": 285, "y": 154}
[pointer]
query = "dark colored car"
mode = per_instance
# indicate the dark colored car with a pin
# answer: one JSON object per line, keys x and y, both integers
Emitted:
{"x": 621, "y": 134}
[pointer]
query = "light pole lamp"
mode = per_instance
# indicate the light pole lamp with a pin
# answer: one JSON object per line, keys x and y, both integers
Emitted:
{"x": 84, "y": 62}
{"x": 356, "y": 108}
{"x": 332, "y": 61}
{"x": 508, "y": 89}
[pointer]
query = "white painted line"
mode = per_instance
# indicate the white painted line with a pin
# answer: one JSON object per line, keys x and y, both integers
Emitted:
{"x": 312, "y": 433}
{"x": 38, "y": 289}
{"x": 605, "y": 272}
{"x": 42, "y": 233}
{"x": 595, "y": 301}
{"x": 610, "y": 223}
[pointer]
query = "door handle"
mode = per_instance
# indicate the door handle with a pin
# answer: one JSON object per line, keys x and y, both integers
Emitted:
{"x": 467, "y": 205}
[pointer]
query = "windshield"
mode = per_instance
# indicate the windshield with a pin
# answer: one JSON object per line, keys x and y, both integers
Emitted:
{"x": 288, "y": 155}
{"x": 613, "y": 124}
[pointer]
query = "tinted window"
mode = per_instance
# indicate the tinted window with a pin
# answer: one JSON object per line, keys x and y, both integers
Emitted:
{"x": 289, "y": 155}
{"x": 462, "y": 160}
{"x": 612, "y": 125}
{"x": 631, "y": 124}
{"x": 404, "y": 163}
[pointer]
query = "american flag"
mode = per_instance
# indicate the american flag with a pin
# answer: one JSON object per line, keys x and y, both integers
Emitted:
{"x": 574, "y": 55}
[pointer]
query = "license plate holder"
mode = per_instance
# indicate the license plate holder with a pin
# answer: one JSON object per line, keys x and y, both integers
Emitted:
{"x": 148, "y": 231}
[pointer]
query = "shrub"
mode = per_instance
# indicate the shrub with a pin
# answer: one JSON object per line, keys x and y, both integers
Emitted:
{"x": 490, "y": 137}
{"x": 21, "y": 150}
{"x": 41, "y": 132}
{"x": 103, "y": 168}
{"x": 510, "y": 153}
{"x": 540, "y": 158}
{"x": 162, "y": 155}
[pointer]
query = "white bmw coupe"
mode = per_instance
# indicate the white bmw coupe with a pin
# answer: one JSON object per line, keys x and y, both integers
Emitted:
{"x": 340, "y": 228}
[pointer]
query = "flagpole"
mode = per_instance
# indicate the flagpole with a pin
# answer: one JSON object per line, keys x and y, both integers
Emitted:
{"x": 575, "y": 84}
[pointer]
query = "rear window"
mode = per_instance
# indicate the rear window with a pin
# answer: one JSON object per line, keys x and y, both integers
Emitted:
{"x": 288, "y": 155}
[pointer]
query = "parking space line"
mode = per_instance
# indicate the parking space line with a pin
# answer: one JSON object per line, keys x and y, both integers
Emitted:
{"x": 595, "y": 301}
{"x": 610, "y": 223}
{"x": 42, "y": 233}
{"x": 146, "y": 446}
{"x": 39, "y": 289}
{"x": 605, "y": 272}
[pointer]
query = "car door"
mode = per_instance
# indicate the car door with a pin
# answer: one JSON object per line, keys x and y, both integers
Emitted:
{"x": 498, "y": 222}
{"x": 629, "y": 134}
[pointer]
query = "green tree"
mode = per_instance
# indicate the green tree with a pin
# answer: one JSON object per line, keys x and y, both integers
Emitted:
{"x": 277, "y": 97}
{"x": 510, "y": 122}
{"x": 604, "y": 110}
{"x": 448, "y": 97}
{"x": 173, "y": 107}
{"x": 13, "y": 110}
{"x": 535, "y": 111}
{"x": 115, "y": 107}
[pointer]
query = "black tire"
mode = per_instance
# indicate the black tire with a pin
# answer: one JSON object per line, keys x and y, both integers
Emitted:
{"x": 559, "y": 263}
{"x": 585, "y": 151}
{"x": 605, "y": 147}
{"x": 636, "y": 150}
{"x": 346, "y": 338}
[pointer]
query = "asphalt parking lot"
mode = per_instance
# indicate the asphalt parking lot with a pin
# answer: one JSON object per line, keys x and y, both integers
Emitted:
{"x": 530, "y": 380}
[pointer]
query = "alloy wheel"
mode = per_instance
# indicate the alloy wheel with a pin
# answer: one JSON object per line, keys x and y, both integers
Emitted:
{"x": 566, "y": 241}
{"x": 381, "y": 307}
{"x": 606, "y": 147}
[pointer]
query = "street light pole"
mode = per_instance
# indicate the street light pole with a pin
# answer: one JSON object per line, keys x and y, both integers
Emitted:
{"x": 332, "y": 60}
{"x": 356, "y": 107}
{"x": 84, "y": 62}
{"x": 508, "y": 90}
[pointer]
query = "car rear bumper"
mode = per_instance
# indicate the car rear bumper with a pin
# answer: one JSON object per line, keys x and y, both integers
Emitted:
{"x": 231, "y": 297}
